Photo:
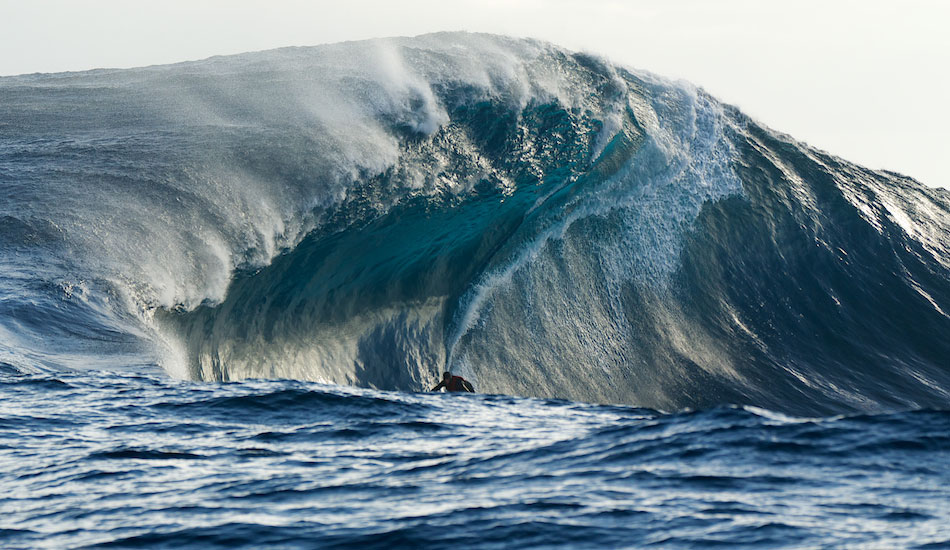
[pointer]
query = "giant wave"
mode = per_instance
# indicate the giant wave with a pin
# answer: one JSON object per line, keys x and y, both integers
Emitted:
{"x": 545, "y": 222}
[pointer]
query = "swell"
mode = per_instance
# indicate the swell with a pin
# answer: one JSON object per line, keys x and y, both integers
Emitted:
{"x": 152, "y": 459}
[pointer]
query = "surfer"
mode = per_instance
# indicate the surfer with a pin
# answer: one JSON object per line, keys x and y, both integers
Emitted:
{"x": 454, "y": 383}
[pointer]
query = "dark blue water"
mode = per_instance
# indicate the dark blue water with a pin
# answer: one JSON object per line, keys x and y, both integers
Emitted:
{"x": 116, "y": 460}
{"x": 225, "y": 286}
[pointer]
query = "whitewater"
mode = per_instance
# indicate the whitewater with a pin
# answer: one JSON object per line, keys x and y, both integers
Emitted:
{"x": 226, "y": 285}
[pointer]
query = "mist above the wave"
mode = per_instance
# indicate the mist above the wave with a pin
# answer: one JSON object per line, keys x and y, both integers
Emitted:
{"x": 860, "y": 80}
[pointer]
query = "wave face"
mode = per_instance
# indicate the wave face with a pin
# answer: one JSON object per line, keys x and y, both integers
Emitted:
{"x": 543, "y": 222}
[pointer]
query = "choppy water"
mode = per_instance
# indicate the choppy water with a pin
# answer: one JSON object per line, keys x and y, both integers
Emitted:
{"x": 126, "y": 460}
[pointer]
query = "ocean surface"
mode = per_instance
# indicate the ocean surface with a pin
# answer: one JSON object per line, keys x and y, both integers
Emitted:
{"x": 123, "y": 460}
{"x": 226, "y": 285}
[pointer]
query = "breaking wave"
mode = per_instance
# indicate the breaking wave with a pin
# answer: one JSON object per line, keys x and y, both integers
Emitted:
{"x": 542, "y": 221}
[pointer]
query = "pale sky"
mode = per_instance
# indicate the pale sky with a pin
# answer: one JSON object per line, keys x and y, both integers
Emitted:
{"x": 866, "y": 80}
